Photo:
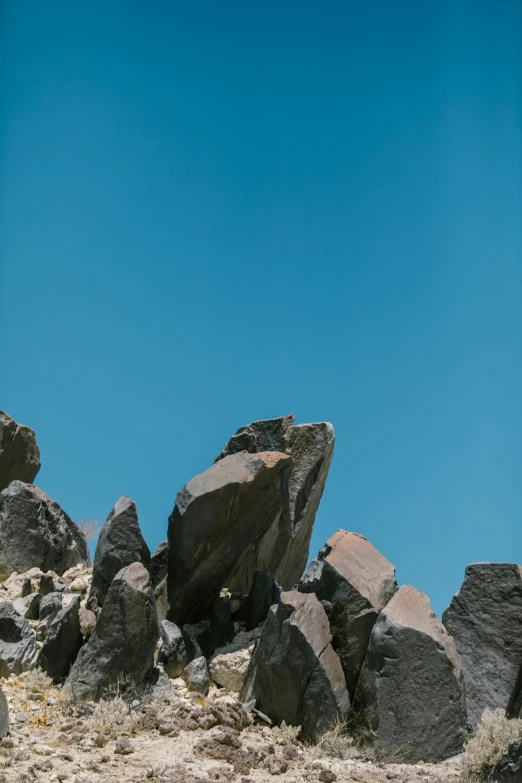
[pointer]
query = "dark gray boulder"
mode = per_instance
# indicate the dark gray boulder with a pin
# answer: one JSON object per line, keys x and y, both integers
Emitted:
{"x": 196, "y": 675}
{"x": 120, "y": 543}
{"x": 47, "y": 584}
{"x": 356, "y": 582}
{"x": 217, "y": 517}
{"x": 508, "y": 768}
{"x": 294, "y": 675}
{"x": 4, "y": 715}
{"x": 50, "y": 605}
{"x": 36, "y": 532}
{"x": 485, "y": 620}
{"x": 19, "y": 452}
{"x": 121, "y": 647}
{"x": 283, "y": 551}
{"x": 175, "y": 651}
{"x": 27, "y": 587}
{"x": 29, "y": 606}
{"x": 62, "y": 642}
{"x": 408, "y": 697}
{"x": 159, "y": 563}
{"x": 18, "y": 651}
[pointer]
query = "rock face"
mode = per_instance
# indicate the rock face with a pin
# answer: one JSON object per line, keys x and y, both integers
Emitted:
{"x": 485, "y": 620}
{"x": 295, "y": 675}
{"x": 508, "y": 768}
{"x": 18, "y": 651}
{"x": 357, "y": 582}
{"x": 36, "y": 532}
{"x": 217, "y": 517}
{"x": 124, "y": 639}
{"x": 62, "y": 642}
{"x": 283, "y": 550}
{"x": 408, "y": 696}
{"x": 19, "y": 452}
{"x": 120, "y": 544}
{"x": 4, "y": 716}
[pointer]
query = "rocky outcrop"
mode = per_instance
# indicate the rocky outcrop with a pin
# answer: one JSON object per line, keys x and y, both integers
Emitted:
{"x": 217, "y": 517}
{"x": 283, "y": 550}
{"x": 408, "y": 696}
{"x": 355, "y": 582}
{"x": 175, "y": 651}
{"x": 120, "y": 544}
{"x": 18, "y": 651}
{"x": 4, "y": 715}
{"x": 62, "y": 642}
{"x": 295, "y": 676}
{"x": 36, "y": 532}
{"x": 19, "y": 452}
{"x": 485, "y": 620}
{"x": 122, "y": 644}
{"x": 508, "y": 769}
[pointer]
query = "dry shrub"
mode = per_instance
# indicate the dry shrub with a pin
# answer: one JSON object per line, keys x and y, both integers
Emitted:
{"x": 35, "y": 681}
{"x": 491, "y": 739}
{"x": 113, "y": 718}
{"x": 336, "y": 743}
{"x": 90, "y": 527}
{"x": 285, "y": 735}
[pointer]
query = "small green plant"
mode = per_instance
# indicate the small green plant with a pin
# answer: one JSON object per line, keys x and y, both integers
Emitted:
{"x": 490, "y": 740}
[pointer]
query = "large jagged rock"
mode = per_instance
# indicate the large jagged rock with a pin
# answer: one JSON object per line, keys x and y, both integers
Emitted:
{"x": 295, "y": 675}
{"x": 408, "y": 697}
{"x": 4, "y": 715}
{"x": 62, "y": 642}
{"x": 485, "y": 620}
{"x": 19, "y": 452}
{"x": 36, "y": 533}
{"x": 355, "y": 581}
{"x": 18, "y": 651}
{"x": 283, "y": 550}
{"x": 120, "y": 544}
{"x": 218, "y": 515}
{"x": 121, "y": 648}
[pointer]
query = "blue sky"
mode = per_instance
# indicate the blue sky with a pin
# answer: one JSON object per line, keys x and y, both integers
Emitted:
{"x": 217, "y": 212}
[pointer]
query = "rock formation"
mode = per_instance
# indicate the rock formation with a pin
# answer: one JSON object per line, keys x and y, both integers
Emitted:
{"x": 295, "y": 676}
{"x": 217, "y": 516}
{"x": 355, "y": 582}
{"x": 36, "y": 532}
{"x": 120, "y": 544}
{"x": 19, "y": 452}
{"x": 485, "y": 620}
{"x": 18, "y": 651}
{"x": 408, "y": 697}
{"x": 62, "y": 642}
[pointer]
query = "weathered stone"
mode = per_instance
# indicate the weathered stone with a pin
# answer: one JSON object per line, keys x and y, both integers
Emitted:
{"x": 124, "y": 639}
{"x": 283, "y": 550}
{"x": 159, "y": 564}
{"x": 228, "y": 667}
{"x": 264, "y": 593}
{"x": 357, "y": 582}
{"x": 408, "y": 696}
{"x": 36, "y": 532}
{"x": 295, "y": 675}
{"x": 19, "y": 452}
{"x": 4, "y": 715}
{"x": 175, "y": 652}
{"x": 217, "y": 517}
{"x": 120, "y": 544}
{"x": 161, "y": 598}
{"x": 62, "y": 642}
{"x": 18, "y": 651}
{"x": 47, "y": 584}
{"x": 485, "y": 620}
{"x": 27, "y": 587}
{"x": 29, "y": 606}
{"x": 50, "y": 605}
{"x": 196, "y": 675}
{"x": 508, "y": 768}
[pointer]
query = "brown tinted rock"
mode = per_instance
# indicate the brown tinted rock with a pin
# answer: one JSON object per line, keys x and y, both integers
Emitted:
{"x": 357, "y": 582}
{"x": 19, "y": 452}
{"x": 295, "y": 675}
{"x": 408, "y": 695}
{"x": 217, "y": 516}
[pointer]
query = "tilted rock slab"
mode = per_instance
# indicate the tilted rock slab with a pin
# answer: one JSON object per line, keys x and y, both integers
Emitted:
{"x": 18, "y": 651}
{"x": 120, "y": 543}
{"x": 19, "y": 452}
{"x": 485, "y": 620}
{"x": 408, "y": 697}
{"x": 357, "y": 582}
{"x": 62, "y": 642}
{"x": 218, "y": 515}
{"x": 121, "y": 647}
{"x": 36, "y": 533}
{"x": 295, "y": 675}
{"x": 284, "y": 548}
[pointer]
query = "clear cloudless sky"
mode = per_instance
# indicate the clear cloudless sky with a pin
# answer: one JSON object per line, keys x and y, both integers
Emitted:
{"x": 216, "y": 212}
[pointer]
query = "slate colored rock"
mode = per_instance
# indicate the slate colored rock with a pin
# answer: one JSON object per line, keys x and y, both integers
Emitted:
{"x": 264, "y": 593}
{"x": 408, "y": 697}
{"x": 18, "y": 651}
{"x": 294, "y": 675}
{"x": 27, "y": 587}
{"x": 124, "y": 639}
{"x": 175, "y": 652}
{"x": 485, "y": 620}
{"x": 47, "y": 584}
{"x": 283, "y": 550}
{"x": 508, "y": 768}
{"x": 4, "y": 715}
{"x": 357, "y": 582}
{"x": 120, "y": 543}
{"x": 196, "y": 675}
{"x": 159, "y": 563}
{"x": 36, "y": 533}
{"x": 217, "y": 516}
{"x": 62, "y": 642}
{"x": 19, "y": 452}
{"x": 29, "y": 606}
